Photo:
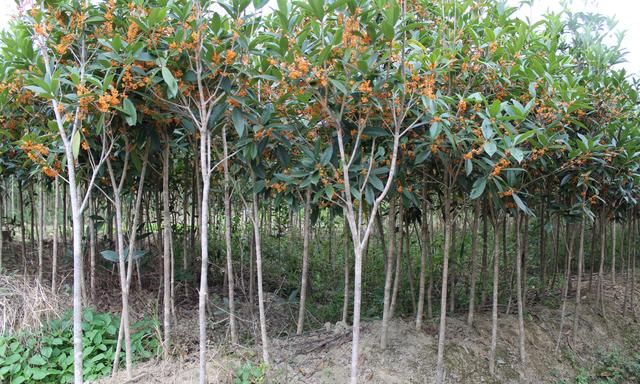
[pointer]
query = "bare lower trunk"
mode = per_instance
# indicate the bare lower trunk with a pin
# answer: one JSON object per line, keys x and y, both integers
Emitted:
{"x": 40, "y": 230}
{"x": 54, "y": 250}
{"x": 388, "y": 271}
{"x": 345, "y": 304}
{"x": 166, "y": 254}
{"x": 494, "y": 311}
{"x": 399, "y": 252}
{"x": 579, "y": 280}
{"x": 613, "y": 252}
{"x": 205, "y": 137}
{"x": 92, "y": 250}
{"x": 603, "y": 231}
{"x": 227, "y": 239}
{"x": 263, "y": 320}
{"x": 305, "y": 259}
{"x": 472, "y": 262}
{"x": 423, "y": 263}
{"x": 519, "y": 254}
{"x": 443, "y": 296}
{"x": 565, "y": 288}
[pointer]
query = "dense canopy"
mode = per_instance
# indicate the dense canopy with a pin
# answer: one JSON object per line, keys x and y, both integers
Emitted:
{"x": 346, "y": 109}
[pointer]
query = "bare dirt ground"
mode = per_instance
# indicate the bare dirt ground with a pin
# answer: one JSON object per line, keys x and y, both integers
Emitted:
{"x": 323, "y": 355}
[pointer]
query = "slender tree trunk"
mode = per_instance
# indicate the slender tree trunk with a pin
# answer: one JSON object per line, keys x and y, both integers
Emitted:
{"x": 54, "y": 250}
{"x": 519, "y": 254}
{"x": 389, "y": 271}
{"x": 472, "y": 262}
{"x": 227, "y": 239}
{"x": 579, "y": 279}
{"x": 565, "y": 289}
{"x": 205, "y": 163}
{"x": 613, "y": 251}
{"x": 23, "y": 234}
{"x": 345, "y": 304}
{"x": 424, "y": 228}
{"x": 92, "y": 249}
{"x": 2, "y": 213}
{"x": 263, "y": 320}
{"x": 543, "y": 246}
{"x": 306, "y": 233}
{"x": 485, "y": 251}
{"x": 65, "y": 217}
{"x": 410, "y": 267}
{"x": 166, "y": 255}
{"x": 430, "y": 267}
{"x": 399, "y": 252}
{"x": 525, "y": 255}
{"x": 496, "y": 279}
{"x": 594, "y": 236}
{"x": 448, "y": 224}
{"x": 41, "y": 214}
{"x": 603, "y": 231}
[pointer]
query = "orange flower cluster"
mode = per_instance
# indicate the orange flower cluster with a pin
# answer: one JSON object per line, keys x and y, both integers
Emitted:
{"x": 132, "y": 31}
{"x": 503, "y": 163}
{"x": 469, "y": 155}
{"x": 108, "y": 99}
{"x": 279, "y": 187}
{"x": 365, "y": 89}
{"x": 536, "y": 153}
{"x": 299, "y": 69}
{"x": 64, "y": 44}
{"x": 230, "y": 57}
{"x": 506, "y": 193}
{"x": 50, "y": 172}
{"x": 462, "y": 107}
{"x": 423, "y": 85}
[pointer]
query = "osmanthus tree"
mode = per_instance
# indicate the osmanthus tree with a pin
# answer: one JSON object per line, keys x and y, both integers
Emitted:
{"x": 344, "y": 69}
{"x": 64, "y": 72}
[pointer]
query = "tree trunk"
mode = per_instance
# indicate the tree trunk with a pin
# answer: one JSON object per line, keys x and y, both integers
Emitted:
{"x": 519, "y": 254}
{"x": 496, "y": 279}
{"x": 399, "y": 252}
{"x": 166, "y": 245}
{"x": 227, "y": 239}
{"x": 567, "y": 277}
{"x": 306, "y": 233}
{"x": 345, "y": 304}
{"x": 485, "y": 252}
{"x": 472, "y": 262}
{"x": 263, "y": 320}
{"x": 423, "y": 262}
{"x": 41, "y": 215}
{"x": 579, "y": 280}
{"x": 92, "y": 249}
{"x": 613, "y": 252}
{"x": 389, "y": 271}
{"x": 448, "y": 221}
{"x": 603, "y": 231}
{"x": 543, "y": 246}
{"x": 205, "y": 163}
{"x": 23, "y": 234}
{"x": 54, "y": 250}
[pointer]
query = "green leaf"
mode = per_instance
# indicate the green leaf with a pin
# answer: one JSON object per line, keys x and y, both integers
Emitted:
{"x": 37, "y": 360}
{"x": 325, "y": 158}
{"x": 376, "y": 182}
{"x": 490, "y": 148}
{"x": 468, "y": 167}
{"x": 517, "y": 154}
{"x": 523, "y": 207}
{"x": 238, "y": 121}
{"x": 130, "y": 111}
{"x": 317, "y": 6}
{"x": 171, "y": 82}
{"x": 339, "y": 86}
{"x": 75, "y": 145}
{"x": 478, "y": 188}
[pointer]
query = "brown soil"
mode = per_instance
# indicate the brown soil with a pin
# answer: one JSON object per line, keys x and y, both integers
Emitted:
{"x": 323, "y": 355}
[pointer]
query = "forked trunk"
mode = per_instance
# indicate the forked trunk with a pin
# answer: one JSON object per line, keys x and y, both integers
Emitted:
{"x": 448, "y": 221}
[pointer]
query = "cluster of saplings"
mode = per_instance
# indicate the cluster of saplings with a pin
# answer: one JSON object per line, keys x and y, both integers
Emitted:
{"x": 437, "y": 117}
